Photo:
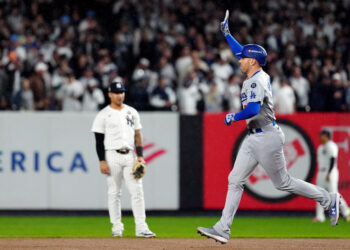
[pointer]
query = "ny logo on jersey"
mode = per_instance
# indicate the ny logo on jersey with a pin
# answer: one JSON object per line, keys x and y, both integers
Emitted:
{"x": 130, "y": 120}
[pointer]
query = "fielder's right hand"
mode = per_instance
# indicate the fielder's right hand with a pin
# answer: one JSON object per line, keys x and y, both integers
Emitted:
{"x": 104, "y": 167}
{"x": 224, "y": 25}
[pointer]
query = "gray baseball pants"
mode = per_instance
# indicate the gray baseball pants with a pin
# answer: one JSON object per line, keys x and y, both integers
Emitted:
{"x": 265, "y": 148}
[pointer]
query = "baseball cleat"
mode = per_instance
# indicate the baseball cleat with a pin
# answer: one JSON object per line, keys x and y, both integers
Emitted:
{"x": 334, "y": 211}
{"x": 117, "y": 233}
{"x": 211, "y": 233}
{"x": 146, "y": 234}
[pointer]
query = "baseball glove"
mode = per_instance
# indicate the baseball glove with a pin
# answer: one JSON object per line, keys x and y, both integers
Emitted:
{"x": 139, "y": 170}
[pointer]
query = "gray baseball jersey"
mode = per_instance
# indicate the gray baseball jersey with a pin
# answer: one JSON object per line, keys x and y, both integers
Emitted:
{"x": 264, "y": 147}
{"x": 257, "y": 88}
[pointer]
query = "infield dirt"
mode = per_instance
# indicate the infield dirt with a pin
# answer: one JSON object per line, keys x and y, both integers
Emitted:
{"x": 133, "y": 243}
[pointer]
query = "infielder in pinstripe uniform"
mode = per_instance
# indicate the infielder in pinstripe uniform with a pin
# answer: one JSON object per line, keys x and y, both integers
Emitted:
{"x": 328, "y": 174}
{"x": 117, "y": 130}
{"x": 263, "y": 145}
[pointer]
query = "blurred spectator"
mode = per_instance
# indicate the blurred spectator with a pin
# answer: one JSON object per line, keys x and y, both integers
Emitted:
{"x": 4, "y": 85}
{"x": 213, "y": 99}
{"x": 330, "y": 27}
{"x": 72, "y": 94}
{"x": 320, "y": 94}
{"x": 146, "y": 41}
{"x": 167, "y": 70}
{"x": 87, "y": 76}
{"x": 163, "y": 97}
{"x": 347, "y": 95}
{"x": 93, "y": 97}
{"x": 26, "y": 96}
{"x": 139, "y": 94}
{"x": 232, "y": 93}
{"x": 39, "y": 86}
{"x": 222, "y": 71}
{"x": 302, "y": 88}
{"x": 284, "y": 98}
{"x": 189, "y": 95}
{"x": 182, "y": 64}
{"x": 337, "y": 93}
{"x": 143, "y": 73}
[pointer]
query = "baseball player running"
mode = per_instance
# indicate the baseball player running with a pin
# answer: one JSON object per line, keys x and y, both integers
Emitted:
{"x": 328, "y": 174}
{"x": 263, "y": 145}
{"x": 117, "y": 130}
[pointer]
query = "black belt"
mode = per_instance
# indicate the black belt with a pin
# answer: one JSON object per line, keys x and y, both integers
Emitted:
{"x": 123, "y": 151}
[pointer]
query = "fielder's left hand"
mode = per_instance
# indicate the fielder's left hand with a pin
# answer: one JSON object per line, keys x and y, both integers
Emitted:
{"x": 230, "y": 118}
{"x": 140, "y": 159}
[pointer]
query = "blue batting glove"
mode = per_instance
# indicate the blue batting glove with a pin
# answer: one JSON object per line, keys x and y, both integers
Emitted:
{"x": 230, "y": 118}
{"x": 224, "y": 25}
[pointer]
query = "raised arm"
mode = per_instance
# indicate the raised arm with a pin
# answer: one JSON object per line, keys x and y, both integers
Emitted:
{"x": 235, "y": 46}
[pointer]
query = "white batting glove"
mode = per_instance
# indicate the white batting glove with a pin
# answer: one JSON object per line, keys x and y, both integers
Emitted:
{"x": 224, "y": 25}
{"x": 229, "y": 119}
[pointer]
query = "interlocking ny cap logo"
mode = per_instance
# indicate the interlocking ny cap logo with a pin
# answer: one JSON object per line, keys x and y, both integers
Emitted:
{"x": 119, "y": 85}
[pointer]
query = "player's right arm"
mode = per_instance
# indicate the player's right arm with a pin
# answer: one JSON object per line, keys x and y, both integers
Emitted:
{"x": 236, "y": 47}
{"x": 100, "y": 149}
{"x": 252, "y": 98}
{"x": 98, "y": 127}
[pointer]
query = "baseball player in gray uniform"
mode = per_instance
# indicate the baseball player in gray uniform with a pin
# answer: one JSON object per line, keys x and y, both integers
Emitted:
{"x": 263, "y": 145}
{"x": 117, "y": 130}
{"x": 328, "y": 174}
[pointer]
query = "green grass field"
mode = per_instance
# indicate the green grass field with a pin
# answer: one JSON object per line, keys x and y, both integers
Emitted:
{"x": 170, "y": 227}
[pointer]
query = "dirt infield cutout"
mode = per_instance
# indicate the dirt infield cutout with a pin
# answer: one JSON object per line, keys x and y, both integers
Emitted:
{"x": 161, "y": 243}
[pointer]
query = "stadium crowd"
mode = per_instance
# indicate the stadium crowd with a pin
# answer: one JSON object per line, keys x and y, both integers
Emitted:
{"x": 62, "y": 55}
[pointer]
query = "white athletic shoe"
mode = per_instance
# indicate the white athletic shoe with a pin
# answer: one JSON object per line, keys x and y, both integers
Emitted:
{"x": 211, "y": 233}
{"x": 146, "y": 234}
{"x": 117, "y": 233}
{"x": 334, "y": 211}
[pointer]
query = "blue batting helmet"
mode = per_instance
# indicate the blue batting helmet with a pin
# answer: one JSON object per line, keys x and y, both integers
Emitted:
{"x": 254, "y": 51}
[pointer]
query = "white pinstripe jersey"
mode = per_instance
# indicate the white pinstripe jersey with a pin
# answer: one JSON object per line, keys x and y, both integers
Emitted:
{"x": 324, "y": 154}
{"x": 118, "y": 126}
{"x": 257, "y": 88}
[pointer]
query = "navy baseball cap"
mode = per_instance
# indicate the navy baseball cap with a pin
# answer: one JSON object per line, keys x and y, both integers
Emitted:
{"x": 116, "y": 87}
{"x": 326, "y": 133}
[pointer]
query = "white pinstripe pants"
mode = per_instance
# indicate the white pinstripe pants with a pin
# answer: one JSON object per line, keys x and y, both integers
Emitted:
{"x": 121, "y": 166}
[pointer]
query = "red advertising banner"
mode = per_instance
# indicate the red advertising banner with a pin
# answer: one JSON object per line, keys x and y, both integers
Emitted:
{"x": 221, "y": 144}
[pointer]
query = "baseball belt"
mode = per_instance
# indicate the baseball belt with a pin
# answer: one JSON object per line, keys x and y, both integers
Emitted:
{"x": 123, "y": 151}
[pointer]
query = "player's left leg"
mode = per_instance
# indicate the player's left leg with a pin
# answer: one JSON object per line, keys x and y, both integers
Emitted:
{"x": 135, "y": 189}
{"x": 321, "y": 182}
{"x": 270, "y": 156}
